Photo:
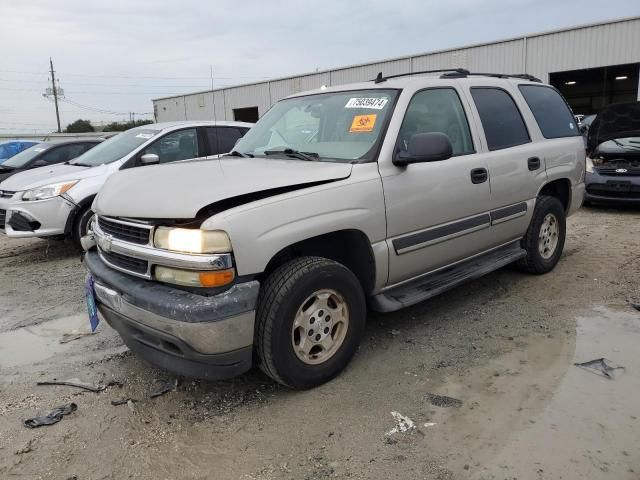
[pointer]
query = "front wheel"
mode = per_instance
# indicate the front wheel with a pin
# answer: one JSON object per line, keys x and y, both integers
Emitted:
{"x": 545, "y": 236}
{"x": 310, "y": 320}
{"x": 81, "y": 224}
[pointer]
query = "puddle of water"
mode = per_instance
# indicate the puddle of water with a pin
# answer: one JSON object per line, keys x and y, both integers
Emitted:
{"x": 590, "y": 426}
{"x": 33, "y": 344}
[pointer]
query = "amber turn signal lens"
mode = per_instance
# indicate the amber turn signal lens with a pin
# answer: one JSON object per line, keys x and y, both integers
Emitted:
{"x": 193, "y": 278}
{"x": 216, "y": 279}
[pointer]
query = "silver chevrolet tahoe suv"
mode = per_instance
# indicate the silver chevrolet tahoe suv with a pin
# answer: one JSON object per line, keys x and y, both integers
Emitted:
{"x": 374, "y": 195}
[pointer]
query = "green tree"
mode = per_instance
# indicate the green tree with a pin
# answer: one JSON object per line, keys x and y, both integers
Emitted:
{"x": 122, "y": 126}
{"x": 79, "y": 126}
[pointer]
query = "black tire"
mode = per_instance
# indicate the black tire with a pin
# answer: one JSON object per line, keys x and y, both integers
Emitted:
{"x": 281, "y": 295}
{"x": 534, "y": 262}
{"x": 80, "y": 223}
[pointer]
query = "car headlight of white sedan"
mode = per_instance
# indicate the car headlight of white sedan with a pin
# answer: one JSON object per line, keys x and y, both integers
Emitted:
{"x": 48, "y": 191}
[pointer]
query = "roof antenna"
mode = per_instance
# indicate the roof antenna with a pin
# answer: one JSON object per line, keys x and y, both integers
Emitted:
{"x": 379, "y": 78}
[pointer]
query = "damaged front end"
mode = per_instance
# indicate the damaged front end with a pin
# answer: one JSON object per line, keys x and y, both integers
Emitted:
{"x": 613, "y": 161}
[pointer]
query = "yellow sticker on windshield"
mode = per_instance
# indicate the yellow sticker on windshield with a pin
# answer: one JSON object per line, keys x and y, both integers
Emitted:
{"x": 363, "y": 123}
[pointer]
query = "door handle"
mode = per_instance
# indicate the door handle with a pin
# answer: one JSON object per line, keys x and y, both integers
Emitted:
{"x": 533, "y": 163}
{"x": 479, "y": 175}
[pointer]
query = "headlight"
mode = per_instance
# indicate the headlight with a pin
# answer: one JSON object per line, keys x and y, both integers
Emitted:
{"x": 192, "y": 240}
{"x": 48, "y": 191}
{"x": 589, "y": 165}
{"x": 191, "y": 278}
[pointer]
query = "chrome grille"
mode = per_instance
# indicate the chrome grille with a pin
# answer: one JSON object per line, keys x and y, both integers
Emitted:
{"x": 125, "y": 262}
{"x": 126, "y": 231}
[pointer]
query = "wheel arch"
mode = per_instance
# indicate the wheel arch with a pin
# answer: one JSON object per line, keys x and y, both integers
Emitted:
{"x": 559, "y": 188}
{"x": 73, "y": 215}
{"x": 350, "y": 247}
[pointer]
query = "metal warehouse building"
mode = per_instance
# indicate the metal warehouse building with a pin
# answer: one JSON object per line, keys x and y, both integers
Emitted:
{"x": 592, "y": 65}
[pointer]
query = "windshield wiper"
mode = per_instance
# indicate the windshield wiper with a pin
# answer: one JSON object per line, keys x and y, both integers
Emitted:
{"x": 308, "y": 156}
{"x": 236, "y": 153}
{"x": 78, "y": 164}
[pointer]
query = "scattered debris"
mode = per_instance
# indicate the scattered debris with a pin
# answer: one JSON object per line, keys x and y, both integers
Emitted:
{"x": 28, "y": 447}
{"x": 443, "y": 401}
{"x": 75, "y": 382}
{"x": 395, "y": 332}
{"x": 601, "y": 366}
{"x": 429, "y": 424}
{"x": 54, "y": 416}
{"x": 70, "y": 337}
{"x": 165, "y": 388}
{"x": 123, "y": 401}
{"x": 403, "y": 424}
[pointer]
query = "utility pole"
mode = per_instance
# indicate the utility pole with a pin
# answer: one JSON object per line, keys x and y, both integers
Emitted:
{"x": 55, "y": 93}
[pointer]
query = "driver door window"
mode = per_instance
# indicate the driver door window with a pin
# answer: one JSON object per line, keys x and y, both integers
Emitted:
{"x": 180, "y": 145}
{"x": 437, "y": 110}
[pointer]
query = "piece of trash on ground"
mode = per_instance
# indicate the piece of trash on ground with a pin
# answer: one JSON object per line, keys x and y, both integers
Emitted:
{"x": 69, "y": 337}
{"x": 54, "y": 416}
{"x": 443, "y": 401}
{"x": 403, "y": 424}
{"x": 165, "y": 388}
{"x": 122, "y": 401}
{"x": 76, "y": 382}
{"x": 28, "y": 447}
{"x": 429, "y": 424}
{"x": 601, "y": 366}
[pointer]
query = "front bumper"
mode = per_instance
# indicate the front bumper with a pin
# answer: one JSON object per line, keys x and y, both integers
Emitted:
{"x": 38, "y": 218}
{"x": 612, "y": 190}
{"x": 179, "y": 331}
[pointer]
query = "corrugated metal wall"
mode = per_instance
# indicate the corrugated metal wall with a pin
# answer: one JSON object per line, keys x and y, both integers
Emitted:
{"x": 592, "y": 46}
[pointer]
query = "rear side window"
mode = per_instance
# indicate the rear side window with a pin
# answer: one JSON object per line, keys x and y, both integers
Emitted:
{"x": 501, "y": 120}
{"x": 63, "y": 153}
{"x": 223, "y": 139}
{"x": 550, "y": 110}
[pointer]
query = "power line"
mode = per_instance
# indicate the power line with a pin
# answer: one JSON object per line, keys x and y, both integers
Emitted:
{"x": 138, "y": 76}
{"x": 104, "y": 84}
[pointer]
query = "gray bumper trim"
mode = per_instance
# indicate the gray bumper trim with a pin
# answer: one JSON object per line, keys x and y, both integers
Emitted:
{"x": 172, "y": 303}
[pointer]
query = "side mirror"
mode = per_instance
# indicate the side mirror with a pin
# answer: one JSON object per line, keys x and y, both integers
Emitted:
{"x": 39, "y": 163}
{"x": 425, "y": 147}
{"x": 149, "y": 159}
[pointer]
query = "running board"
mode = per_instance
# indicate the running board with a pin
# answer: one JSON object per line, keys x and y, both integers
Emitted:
{"x": 431, "y": 285}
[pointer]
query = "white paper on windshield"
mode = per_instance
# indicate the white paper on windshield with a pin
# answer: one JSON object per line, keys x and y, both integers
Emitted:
{"x": 145, "y": 135}
{"x": 362, "y": 102}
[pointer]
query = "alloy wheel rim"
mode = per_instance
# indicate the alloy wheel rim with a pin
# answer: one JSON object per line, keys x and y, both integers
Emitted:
{"x": 548, "y": 237}
{"x": 320, "y": 327}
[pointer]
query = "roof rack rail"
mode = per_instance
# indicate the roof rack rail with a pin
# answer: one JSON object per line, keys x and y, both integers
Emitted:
{"x": 461, "y": 71}
{"x": 523, "y": 76}
{"x": 458, "y": 73}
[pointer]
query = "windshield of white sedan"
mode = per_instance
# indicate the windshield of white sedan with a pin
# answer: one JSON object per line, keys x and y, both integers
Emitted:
{"x": 115, "y": 148}
{"x": 341, "y": 126}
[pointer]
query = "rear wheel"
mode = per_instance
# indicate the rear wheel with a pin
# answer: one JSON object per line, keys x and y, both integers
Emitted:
{"x": 80, "y": 224}
{"x": 545, "y": 236}
{"x": 310, "y": 320}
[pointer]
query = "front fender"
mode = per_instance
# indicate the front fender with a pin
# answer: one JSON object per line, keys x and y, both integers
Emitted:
{"x": 259, "y": 230}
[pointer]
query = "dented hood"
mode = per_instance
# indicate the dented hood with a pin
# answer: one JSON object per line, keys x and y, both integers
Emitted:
{"x": 180, "y": 190}
{"x": 621, "y": 120}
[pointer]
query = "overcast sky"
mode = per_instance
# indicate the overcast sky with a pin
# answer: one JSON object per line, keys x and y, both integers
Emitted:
{"x": 116, "y": 56}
